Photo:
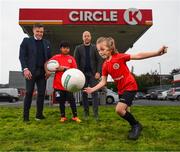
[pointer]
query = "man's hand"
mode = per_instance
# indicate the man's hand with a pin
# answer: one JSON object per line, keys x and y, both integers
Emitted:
{"x": 162, "y": 50}
{"x": 47, "y": 74}
{"x": 97, "y": 75}
{"x": 27, "y": 74}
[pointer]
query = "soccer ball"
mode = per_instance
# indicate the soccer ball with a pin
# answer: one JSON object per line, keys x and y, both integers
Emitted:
{"x": 73, "y": 80}
{"x": 52, "y": 65}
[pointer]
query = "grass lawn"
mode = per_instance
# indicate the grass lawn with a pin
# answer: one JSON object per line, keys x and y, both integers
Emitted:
{"x": 161, "y": 131}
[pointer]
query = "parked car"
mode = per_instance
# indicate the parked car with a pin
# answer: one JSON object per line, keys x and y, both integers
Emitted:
{"x": 139, "y": 95}
{"x": 7, "y": 97}
{"x": 111, "y": 97}
{"x": 162, "y": 95}
{"x": 11, "y": 91}
{"x": 174, "y": 94}
{"x": 153, "y": 95}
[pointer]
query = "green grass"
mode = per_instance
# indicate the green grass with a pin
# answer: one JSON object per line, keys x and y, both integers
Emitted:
{"x": 161, "y": 131}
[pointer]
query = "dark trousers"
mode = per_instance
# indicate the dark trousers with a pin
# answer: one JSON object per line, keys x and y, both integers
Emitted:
{"x": 38, "y": 78}
{"x": 62, "y": 96}
{"x": 90, "y": 81}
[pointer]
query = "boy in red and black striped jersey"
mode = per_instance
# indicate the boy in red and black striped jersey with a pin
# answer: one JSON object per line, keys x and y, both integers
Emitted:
{"x": 115, "y": 65}
{"x": 65, "y": 61}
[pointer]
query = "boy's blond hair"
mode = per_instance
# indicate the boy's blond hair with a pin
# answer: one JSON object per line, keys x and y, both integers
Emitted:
{"x": 110, "y": 43}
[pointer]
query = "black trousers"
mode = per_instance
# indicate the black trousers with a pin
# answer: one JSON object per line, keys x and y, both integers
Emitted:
{"x": 38, "y": 78}
{"x": 62, "y": 96}
{"x": 90, "y": 81}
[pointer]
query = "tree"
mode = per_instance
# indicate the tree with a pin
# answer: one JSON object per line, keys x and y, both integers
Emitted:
{"x": 151, "y": 79}
{"x": 145, "y": 80}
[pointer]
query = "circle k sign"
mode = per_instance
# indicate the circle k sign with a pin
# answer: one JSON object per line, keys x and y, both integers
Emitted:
{"x": 132, "y": 16}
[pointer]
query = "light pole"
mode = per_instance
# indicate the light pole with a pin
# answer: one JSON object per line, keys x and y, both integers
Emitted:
{"x": 160, "y": 75}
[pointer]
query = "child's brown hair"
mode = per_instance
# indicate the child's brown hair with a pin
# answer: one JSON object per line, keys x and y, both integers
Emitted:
{"x": 110, "y": 43}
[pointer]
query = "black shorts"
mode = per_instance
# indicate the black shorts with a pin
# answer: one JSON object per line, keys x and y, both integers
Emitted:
{"x": 127, "y": 97}
{"x": 62, "y": 95}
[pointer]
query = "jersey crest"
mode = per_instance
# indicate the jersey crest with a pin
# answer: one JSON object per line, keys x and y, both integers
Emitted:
{"x": 116, "y": 66}
{"x": 69, "y": 60}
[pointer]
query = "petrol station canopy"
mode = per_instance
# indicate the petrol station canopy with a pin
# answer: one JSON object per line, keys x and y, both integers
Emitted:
{"x": 126, "y": 26}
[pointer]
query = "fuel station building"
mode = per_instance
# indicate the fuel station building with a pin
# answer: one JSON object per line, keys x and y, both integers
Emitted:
{"x": 126, "y": 26}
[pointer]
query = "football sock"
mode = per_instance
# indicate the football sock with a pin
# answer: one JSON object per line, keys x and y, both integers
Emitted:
{"x": 130, "y": 118}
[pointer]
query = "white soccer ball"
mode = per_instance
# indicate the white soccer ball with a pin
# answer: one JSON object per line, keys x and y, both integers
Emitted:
{"x": 73, "y": 80}
{"x": 52, "y": 65}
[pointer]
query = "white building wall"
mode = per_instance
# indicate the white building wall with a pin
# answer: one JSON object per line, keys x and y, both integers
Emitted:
{"x": 176, "y": 77}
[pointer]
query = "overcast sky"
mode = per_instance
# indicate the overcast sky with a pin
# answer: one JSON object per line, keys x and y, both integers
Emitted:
{"x": 165, "y": 31}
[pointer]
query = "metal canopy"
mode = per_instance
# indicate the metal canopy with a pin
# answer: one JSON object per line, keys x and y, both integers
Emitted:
{"x": 125, "y": 34}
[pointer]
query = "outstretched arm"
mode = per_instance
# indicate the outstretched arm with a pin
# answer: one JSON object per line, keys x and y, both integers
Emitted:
{"x": 98, "y": 86}
{"x": 144, "y": 55}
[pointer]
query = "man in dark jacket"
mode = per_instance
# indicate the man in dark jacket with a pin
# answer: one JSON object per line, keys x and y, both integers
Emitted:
{"x": 90, "y": 63}
{"x": 34, "y": 52}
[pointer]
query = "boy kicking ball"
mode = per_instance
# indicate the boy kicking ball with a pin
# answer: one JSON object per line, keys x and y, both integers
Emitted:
{"x": 115, "y": 65}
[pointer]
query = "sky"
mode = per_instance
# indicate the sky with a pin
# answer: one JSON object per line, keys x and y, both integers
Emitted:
{"x": 165, "y": 31}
